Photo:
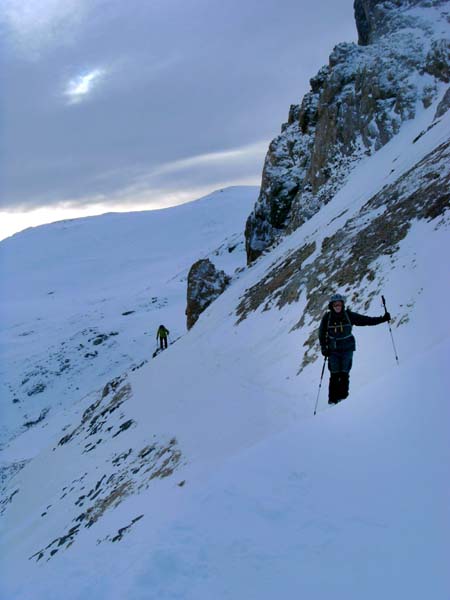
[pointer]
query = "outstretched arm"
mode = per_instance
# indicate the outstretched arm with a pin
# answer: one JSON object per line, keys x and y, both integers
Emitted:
{"x": 361, "y": 320}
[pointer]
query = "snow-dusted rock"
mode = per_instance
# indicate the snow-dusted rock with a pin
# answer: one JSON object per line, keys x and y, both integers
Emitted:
{"x": 357, "y": 103}
{"x": 375, "y": 18}
{"x": 205, "y": 284}
{"x": 443, "y": 105}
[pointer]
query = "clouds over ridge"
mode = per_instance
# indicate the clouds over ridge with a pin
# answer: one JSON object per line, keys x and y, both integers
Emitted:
{"x": 107, "y": 97}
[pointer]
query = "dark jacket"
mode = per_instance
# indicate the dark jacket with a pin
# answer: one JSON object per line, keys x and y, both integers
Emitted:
{"x": 335, "y": 331}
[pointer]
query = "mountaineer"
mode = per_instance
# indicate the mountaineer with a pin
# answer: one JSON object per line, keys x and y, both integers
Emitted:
{"x": 338, "y": 344}
{"x": 162, "y": 334}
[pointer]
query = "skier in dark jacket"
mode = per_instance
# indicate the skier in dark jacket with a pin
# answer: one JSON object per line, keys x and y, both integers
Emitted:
{"x": 338, "y": 344}
{"x": 162, "y": 334}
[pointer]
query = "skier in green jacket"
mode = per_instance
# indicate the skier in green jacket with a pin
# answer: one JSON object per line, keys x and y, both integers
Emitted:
{"x": 162, "y": 334}
{"x": 338, "y": 344}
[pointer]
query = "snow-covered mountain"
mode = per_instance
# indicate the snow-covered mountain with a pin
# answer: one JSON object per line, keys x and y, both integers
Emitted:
{"x": 203, "y": 474}
{"x": 83, "y": 298}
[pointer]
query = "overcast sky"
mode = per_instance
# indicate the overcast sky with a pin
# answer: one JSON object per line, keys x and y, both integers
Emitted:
{"x": 147, "y": 103}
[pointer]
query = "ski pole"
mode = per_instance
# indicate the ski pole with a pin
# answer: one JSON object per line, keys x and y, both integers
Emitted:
{"x": 320, "y": 384}
{"x": 390, "y": 331}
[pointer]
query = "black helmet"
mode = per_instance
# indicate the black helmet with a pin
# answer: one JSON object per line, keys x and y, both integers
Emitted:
{"x": 336, "y": 298}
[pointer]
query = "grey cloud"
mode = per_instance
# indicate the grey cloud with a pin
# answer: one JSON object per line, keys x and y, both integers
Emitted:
{"x": 32, "y": 27}
{"x": 182, "y": 79}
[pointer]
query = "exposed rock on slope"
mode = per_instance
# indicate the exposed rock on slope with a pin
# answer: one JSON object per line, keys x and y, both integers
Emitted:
{"x": 348, "y": 258}
{"x": 82, "y": 494}
{"x": 205, "y": 284}
{"x": 357, "y": 103}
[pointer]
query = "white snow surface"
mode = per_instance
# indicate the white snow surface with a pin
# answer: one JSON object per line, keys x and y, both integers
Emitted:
{"x": 246, "y": 494}
{"x": 68, "y": 283}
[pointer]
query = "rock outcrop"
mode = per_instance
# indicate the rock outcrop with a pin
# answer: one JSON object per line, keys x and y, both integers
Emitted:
{"x": 357, "y": 103}
{"x": 205, "y": 284}
{"x": 375, "y": 18}
{"x": 348, "y": 257}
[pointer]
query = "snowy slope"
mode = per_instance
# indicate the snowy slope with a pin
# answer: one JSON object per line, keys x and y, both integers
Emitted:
{"x": 83, "y": 298}
{"x": 204, "y": 475}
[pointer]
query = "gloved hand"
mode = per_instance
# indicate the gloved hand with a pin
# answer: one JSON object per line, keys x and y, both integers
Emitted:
{"x": 325, "y": 352}
{"x": 387, "y": 316}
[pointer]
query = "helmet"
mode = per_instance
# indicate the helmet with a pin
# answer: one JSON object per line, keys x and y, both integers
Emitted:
{"x": 337, "y": 298}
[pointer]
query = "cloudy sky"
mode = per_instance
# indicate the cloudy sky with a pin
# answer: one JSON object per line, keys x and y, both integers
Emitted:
{"x": 114, "y": 105}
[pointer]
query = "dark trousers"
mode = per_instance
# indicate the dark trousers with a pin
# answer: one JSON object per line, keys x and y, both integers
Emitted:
{"x": 163, "y": 342}
{"x": 339, "y": 364}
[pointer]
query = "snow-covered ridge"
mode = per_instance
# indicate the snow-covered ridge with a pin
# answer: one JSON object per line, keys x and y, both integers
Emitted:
{"x": 83, "y": 298}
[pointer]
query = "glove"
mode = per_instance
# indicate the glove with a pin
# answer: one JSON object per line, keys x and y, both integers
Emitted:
{"x": 325, "y": 352}
{"x": 387, "y": 316}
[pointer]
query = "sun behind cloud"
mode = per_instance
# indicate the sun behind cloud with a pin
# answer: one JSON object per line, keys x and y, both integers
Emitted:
{"x": 78, "y": 88}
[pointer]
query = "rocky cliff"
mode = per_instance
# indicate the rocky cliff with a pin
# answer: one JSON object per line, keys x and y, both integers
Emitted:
{"x": 356, "y": 104}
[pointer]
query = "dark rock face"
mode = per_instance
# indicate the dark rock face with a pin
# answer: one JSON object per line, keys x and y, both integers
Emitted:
{"x": 444, "y": 105}
{"x": 375, "y": 18}
{"x": 205, "y": 284}
{"x": 357, "y": 103}
{"x": 365, "y": 19}
{"x": 438, "y": 60}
